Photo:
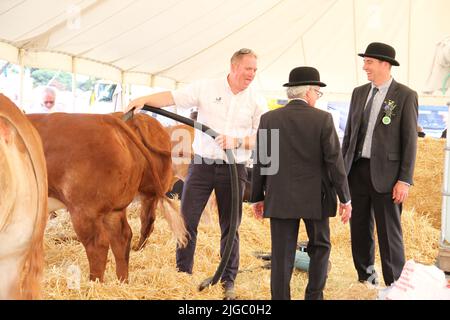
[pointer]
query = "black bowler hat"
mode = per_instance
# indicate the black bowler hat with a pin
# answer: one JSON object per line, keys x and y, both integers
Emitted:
{"x": 380, "y": 51}
{"x": 303, "y": 76}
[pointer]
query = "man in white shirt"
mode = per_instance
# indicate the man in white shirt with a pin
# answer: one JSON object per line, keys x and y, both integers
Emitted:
{"x": 230, "y": 107}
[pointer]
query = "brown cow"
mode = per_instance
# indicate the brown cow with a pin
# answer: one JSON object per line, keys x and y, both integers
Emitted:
{"x": 23, "y": 205}
{"x": 96, "y": 165}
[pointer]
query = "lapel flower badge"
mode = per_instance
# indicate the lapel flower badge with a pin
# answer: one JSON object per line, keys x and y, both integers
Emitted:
{"x": 389, "y": 107}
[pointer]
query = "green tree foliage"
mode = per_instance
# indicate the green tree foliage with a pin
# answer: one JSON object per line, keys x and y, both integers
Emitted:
{"x": 87, "y": 85}
{"x": 61, "y": 80}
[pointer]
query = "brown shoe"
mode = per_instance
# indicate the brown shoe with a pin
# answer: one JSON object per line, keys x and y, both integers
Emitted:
{"x": 228, "y": 289}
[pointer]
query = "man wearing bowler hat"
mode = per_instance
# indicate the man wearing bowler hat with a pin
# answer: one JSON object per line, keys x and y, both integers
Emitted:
{"x": 379, "y": 149}
{"x": 310, "y": 173}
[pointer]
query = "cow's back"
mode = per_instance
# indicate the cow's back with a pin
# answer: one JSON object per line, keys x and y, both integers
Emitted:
{"x": 23, "y": 205}
{"x": 157, "y": 141}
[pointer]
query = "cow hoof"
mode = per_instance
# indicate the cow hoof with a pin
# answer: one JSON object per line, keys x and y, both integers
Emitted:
{"x": 138, "y": 247}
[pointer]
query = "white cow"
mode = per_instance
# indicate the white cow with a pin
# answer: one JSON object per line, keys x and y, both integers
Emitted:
{"x": 23, "y": 205}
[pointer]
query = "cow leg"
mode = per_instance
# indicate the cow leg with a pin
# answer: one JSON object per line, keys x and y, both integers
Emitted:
{"x": 120, "y": 234}
{"x": 92, "y": 234}
{"x": 148, "y": 216}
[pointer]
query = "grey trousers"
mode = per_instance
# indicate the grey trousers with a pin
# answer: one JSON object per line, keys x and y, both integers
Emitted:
{"x": 370, "y": 207}
{"x": 284, "y": 233}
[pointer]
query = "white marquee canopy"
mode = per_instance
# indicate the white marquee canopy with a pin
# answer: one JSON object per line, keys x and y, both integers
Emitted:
{"x": 171, "y": 42}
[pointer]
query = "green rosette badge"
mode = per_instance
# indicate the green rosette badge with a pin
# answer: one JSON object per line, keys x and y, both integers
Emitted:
{"x": 389, "y": 107}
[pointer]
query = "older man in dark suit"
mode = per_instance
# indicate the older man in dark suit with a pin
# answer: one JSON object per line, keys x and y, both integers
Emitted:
{"x": 379, "y": 150}
{"x": 306, "y": 173}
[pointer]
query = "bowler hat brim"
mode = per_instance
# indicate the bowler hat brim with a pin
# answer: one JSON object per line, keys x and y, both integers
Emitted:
{"x": 304, "y": 83}
{"x": 380, "y": 57}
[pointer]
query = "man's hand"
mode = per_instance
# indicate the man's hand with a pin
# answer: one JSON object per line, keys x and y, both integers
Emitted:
{"x": 136, "y": 103}
{"x": 258, "y": 209}
{"x": 345, "y": 211}
{"x": 226, "y": 142}
{"x": 400, "y": 192}
{"x": 157, "y": 100}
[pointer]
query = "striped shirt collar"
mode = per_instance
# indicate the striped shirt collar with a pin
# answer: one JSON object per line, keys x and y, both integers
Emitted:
{"x": 384, "y": 87}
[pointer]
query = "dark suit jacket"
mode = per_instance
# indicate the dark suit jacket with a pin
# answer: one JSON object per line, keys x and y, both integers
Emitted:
{"x": 310, "y": 164}
{"x": 394, "y": 146}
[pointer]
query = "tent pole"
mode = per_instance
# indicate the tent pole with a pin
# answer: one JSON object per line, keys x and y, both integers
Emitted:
{"x": 355, "y": 43}
{"x": 21, "y": 77}
{"x": 409, "y": 42}
{"x": 444, "y": 247}
{"x": 74, "y": 85}
{"x": 122, "y": 91}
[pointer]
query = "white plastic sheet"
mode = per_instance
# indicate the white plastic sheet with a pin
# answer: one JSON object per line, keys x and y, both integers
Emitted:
{"x": 418, "y": 282}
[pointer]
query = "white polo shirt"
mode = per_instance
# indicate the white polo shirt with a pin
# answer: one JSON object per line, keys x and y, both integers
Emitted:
{"x": 235, "y": 115}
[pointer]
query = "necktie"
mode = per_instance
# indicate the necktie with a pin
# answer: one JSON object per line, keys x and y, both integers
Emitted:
{"x": 364, "y": 124}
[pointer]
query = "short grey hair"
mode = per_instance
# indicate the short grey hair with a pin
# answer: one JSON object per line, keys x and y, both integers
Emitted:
{"x": 297, "y": 92}
{"x": 237, "y": 56}
{"x": 49, "y": 90}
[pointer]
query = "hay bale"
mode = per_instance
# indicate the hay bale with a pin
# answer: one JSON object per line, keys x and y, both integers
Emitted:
{"x": 425, "y": 196}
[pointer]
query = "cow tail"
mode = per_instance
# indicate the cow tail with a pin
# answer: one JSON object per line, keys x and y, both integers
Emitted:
{"x": 152, "y": 148}
{"x": 172, "y": 215}
{"x": 170, "y": 212}
{"x": 168, "y": 207}
{"x": 161, "y": 190}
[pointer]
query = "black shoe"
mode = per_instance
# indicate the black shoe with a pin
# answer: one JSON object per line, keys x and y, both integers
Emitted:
{"x": 189, "y": 272}
{"x": 228, "y": 291}
{"x": 266, "y": 256}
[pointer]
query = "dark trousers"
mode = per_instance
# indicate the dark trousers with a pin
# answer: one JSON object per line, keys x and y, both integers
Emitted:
{"x": 284, "y": 233}
{"x": 201, "y": 180}
{"x": 368, "y": 204}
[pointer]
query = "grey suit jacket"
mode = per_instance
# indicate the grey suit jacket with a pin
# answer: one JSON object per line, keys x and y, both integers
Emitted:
{"x": 394, "y": 146}
{"x": 311, "y": 167}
